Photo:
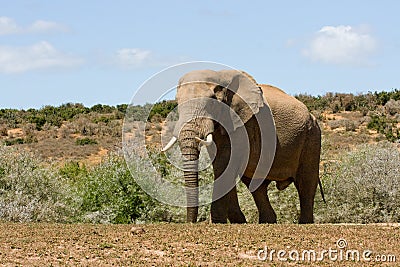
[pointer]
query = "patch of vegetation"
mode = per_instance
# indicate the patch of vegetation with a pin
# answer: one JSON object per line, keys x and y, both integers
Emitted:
{"x": 30, "y": 191}
{"x": 363, "y": 187}
{"x": 110, "y": 195}
{"x": 102, "y": 119}
{"x": 337, "y": 102}
{"x": 102, "y": 109}
{"x": 73, "y": 170}
{"x": 16, "y": 141}
{"x": 162, "y": 109}
{"x": 382, "y": 108}
{"x": 386, "y": 126}
{"x": 3, "y": 130}
{"x": 86, "y": 141}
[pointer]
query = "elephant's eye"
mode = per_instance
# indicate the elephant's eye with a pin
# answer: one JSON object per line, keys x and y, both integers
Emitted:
{"x": 219, "y": 95}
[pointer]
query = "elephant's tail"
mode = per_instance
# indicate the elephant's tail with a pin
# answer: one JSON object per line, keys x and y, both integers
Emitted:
{"x": 322, "y": 191}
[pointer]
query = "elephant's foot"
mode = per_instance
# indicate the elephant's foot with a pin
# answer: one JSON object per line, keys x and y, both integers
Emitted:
{"x": 218, "y": 220}
{"x": 306, "y": 211}
{"x": 304, "y": 219}
{"x": 219, "y": 212}
{"x": 236, "y": 216}
{"x": 267, "y": 217}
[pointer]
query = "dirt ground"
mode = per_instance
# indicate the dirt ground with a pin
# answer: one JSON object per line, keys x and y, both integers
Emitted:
{"x": 201, "y": 244}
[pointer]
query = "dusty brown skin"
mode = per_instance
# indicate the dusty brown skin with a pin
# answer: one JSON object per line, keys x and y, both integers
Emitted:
{"x": 298, "y": 141}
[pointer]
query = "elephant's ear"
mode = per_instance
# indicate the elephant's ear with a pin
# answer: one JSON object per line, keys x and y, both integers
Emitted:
{"x": 247, "y": 98}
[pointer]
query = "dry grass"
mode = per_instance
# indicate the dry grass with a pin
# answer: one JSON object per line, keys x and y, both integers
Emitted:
{"x": 185, "y": 244}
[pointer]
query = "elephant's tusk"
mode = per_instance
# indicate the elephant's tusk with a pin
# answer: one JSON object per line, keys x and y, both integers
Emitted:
{"x": 207, "y": 142}
{"x": 170, "y": 144}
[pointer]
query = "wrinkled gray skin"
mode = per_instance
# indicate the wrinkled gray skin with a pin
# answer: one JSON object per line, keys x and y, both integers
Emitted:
{"x": 298, "y": 142}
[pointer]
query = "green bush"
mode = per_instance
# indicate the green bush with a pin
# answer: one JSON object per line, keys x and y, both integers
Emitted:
{"x": 85, "y": 141}
{"x": 385, "y": 126}
{"x": 162, "y": 109}
{"x": 110, "y": 195}
{"x": 73, "y": 170}
{"x": 16, "y": 141}
{"x": 122, "y": 108}
{"x": 102, "y": 119}
{"x": 102, "y": 109}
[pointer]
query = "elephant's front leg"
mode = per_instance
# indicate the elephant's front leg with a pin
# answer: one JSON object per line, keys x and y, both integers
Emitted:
{"x": 225, "y": 203}
{"x": 235, "y": 215}
{"x": 226, "y": 207}
{"x": 265, "y": 211}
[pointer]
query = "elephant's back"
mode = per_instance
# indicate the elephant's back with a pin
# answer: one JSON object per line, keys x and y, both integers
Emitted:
{"x": 275, "y": 95}
{"x": 283, "y": 104}
{"x": 291, "y": 116}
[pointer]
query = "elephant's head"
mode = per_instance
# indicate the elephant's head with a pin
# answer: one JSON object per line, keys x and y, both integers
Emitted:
{"x": 201, "y": 96}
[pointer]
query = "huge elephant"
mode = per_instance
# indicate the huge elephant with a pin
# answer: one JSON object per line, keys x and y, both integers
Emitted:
{"x": 240, "y": 136}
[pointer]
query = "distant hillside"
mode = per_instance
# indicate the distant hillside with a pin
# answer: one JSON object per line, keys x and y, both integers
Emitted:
{"x": 75, "y": 132}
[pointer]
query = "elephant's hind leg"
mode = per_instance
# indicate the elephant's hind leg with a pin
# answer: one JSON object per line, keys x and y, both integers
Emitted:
{"x": 265, "y": 211}
{"x": 307, "y": 177}
{"x": 306, "y": 189}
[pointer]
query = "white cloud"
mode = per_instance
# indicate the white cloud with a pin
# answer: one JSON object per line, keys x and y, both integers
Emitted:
{"x": 9, "y": 26}
{"x": 41, "y": 55}
{"x": 344, "y": 45}
{"x": 133, "y": 57}
{"x": 43, "y": 26}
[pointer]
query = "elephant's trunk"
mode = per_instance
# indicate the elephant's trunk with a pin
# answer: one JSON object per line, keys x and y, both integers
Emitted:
{"x": 192, "y": 191}
{"x": 190, "y": 153}
{"x": 189, "y": 136}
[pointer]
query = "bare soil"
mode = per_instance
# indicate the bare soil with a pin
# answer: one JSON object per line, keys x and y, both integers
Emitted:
{"x": 200, "y": 244}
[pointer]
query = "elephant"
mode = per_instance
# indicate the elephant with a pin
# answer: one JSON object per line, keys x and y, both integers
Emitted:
{"x": 266, "y": 133}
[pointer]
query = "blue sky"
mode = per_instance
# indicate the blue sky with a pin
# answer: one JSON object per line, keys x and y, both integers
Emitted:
{"x": 90, "y": 52}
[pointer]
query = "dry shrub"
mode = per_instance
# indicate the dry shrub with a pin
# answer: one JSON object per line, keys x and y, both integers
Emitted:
{"x": 349, "y": 125}
{"x": 65, "y": 130}
{"x": 393, "y": 107}
{"x": 3, "y": 130}
{"x": 30, "y": 191}
{"x": 364, "y": 187}
{"x": 29, "y": 131}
